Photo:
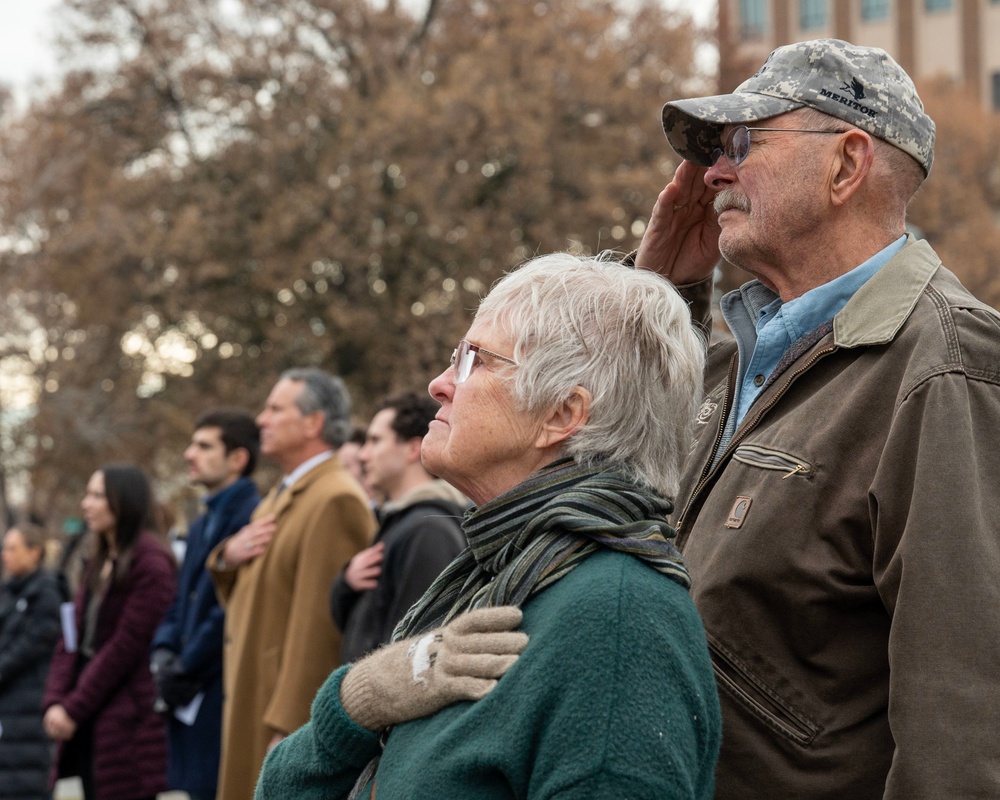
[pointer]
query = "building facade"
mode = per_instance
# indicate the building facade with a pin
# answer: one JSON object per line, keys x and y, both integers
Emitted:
{"x": 957, "y": 39}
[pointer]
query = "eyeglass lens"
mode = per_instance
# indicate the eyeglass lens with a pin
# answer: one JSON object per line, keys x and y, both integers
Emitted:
{"x": 462, "y": 359}
{"x": 736, "y": 146}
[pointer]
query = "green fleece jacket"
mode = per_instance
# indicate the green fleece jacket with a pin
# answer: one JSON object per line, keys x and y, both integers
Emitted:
{"x": 613, "y": 697}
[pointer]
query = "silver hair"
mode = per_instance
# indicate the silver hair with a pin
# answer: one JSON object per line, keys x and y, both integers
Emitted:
{"x": 624, "y": 335}
{"x": 324, "y": 392}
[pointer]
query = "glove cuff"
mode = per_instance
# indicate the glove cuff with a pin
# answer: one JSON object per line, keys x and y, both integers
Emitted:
{"x": 359, "y": 698}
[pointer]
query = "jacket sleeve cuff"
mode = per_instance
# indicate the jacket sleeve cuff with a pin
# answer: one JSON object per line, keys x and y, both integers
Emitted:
{"x": 699, "y": 298}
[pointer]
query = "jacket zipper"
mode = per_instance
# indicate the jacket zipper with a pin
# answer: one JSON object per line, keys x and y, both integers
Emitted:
{"x": 726, "y": 402}
{"x": 766, "y": 458}
{"x": 740, "y": 435}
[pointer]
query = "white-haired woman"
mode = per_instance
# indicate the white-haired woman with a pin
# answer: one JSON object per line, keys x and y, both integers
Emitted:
{"x": 564, "y": 417}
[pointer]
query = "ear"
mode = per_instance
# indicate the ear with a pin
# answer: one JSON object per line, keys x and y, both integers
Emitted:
{"x": 237, "y": 460}
{"x": 412, "y": 449}
{"x": 313, "y": 424}
{"x": 852, "y": 165}
{"x": 565, "y": 419}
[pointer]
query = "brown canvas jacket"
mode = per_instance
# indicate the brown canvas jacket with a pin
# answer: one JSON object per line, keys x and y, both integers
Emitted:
{"x": 845, "y": 550}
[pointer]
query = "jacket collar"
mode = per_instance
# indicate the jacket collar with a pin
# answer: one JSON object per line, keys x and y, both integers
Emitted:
{"x": 17, "y": 584}
{"x": 435, "y": 490}
{"x": 277, "y": 501}
{"x": 880, "y": 307}
{"x": 239, "y": 488}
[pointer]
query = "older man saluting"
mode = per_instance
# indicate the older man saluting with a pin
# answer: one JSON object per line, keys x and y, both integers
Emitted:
{"x": 273, "y": 575}
{"x": 838, "y": 513}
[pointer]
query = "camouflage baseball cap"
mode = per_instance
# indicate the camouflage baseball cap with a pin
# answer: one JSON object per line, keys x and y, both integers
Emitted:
{"x": 860, "y": 85}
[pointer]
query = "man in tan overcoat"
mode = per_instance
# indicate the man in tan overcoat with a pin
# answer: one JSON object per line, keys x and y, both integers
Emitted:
{"x": 273, "y": 576}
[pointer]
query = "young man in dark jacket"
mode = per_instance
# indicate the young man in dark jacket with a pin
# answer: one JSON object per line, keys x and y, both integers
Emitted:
{"x": 419, "y": 532}
{"x": 187, "y": 647}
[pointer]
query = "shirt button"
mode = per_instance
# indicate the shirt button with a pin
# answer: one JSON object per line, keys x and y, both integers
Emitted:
{"x": 758, "y": 381}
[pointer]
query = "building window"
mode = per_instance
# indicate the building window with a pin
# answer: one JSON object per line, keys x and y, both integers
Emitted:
{"x": 874, "y": 10}
{"x": 937, "y": 5}
{"x": 753, "y": 18}
{"x": 996, "y": 91}
{"x": 812, "y": 14}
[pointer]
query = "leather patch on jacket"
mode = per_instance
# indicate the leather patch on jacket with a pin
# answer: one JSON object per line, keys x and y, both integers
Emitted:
{"x": 738, "y": 514}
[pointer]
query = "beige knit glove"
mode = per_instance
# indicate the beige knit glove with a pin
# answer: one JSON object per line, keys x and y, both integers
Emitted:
{"x": 417, "y": 677}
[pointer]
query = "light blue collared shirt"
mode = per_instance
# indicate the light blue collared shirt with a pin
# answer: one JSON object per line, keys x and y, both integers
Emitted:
{"x": 779, "y": 325}
{"x": 305, "y": 467}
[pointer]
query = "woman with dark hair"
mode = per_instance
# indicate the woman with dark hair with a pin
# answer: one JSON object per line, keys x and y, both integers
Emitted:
{"x": 100, "y": 694}
{"x": 29, "y": 627}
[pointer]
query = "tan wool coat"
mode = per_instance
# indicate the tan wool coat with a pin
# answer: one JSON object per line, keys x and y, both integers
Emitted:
{"x": 280, "y": 643}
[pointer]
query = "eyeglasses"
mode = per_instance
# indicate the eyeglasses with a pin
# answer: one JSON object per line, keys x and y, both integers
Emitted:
{"x": 736, "y": 147}
{"x": 464, "y": 359}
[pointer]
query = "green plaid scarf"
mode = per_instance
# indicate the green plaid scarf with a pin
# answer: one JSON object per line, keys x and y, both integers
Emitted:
{"x": 530, "y": 537}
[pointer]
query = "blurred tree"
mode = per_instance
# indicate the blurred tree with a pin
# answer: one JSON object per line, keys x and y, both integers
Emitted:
{"x": 225, "y": 188}
{"x": 958, "y": 208}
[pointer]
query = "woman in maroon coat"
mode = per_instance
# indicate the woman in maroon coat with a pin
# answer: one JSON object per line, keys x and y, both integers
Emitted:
{"x": 99, "y": 697}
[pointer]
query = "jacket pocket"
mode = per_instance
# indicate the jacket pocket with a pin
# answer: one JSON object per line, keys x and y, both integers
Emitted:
{"x": 767, "y": 458}
{"x": 758, "y": 699}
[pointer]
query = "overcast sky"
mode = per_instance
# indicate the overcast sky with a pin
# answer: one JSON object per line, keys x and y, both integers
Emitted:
{"x": 26, "y": 33}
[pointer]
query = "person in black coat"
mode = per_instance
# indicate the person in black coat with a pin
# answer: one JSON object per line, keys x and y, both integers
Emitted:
{"x": 187, "y": 647}
{"x": 419, "y": 528}
{"x": 29, "y": 628}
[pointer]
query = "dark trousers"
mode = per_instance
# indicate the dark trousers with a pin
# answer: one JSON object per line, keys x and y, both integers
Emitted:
{"x": 78, "y": 759}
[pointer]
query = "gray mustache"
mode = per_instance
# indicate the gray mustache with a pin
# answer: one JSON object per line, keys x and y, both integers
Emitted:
{"x": 729, "y": 198}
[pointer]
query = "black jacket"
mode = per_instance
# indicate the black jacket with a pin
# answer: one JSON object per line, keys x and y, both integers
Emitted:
{"x": 29, "y": 628}
{"x": 421, "y": 538}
